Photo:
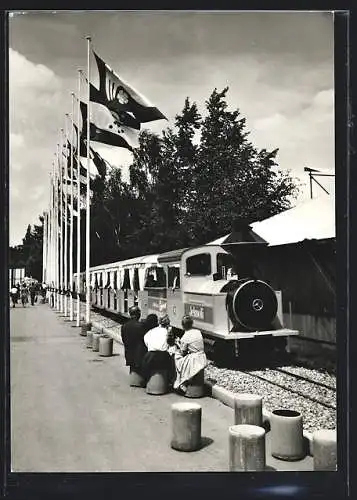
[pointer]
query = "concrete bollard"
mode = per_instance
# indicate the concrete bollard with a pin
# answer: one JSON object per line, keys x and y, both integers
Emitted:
{"x": 248, "y": 409}
{"x": 158, "y": 383}
{"x": 135, "y": 379}
{"x": 196, "y": 386}
{"x": 287, "y": 441}
{"x": 246, "y": 448}
{"x": 85, "y": 328}
{"x": 186, "y": 426}
{"x": 95, "y": 341}
{"x": 89, "y": 339}
{"x": 105, "y": 346}
{"x": 324, "y": 446}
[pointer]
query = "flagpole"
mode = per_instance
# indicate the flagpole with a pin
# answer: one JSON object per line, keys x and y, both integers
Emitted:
{"x": 51, "y": 279}
{"x": 61, "y": 223}
{"x": 45, "y": 274}
{"x": 78, "y": 203}
{"x": 48, "y": 277}
{"x": 65, "y": 189}
{"x": 71, "y": 234}
{"x": 44, "y": 244}
{"x": 55, "y": 229}
{"x": 47, "y": 247}
{"x": 57, "y": 252}
{"x": 49, "y": 256}
{"x": 88, "y": 38}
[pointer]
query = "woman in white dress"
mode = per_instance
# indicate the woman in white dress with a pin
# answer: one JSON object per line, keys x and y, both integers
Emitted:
{"x": 190, "y": 357}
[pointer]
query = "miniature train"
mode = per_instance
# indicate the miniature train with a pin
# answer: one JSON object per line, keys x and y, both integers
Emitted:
{"x": 234, "y": 311}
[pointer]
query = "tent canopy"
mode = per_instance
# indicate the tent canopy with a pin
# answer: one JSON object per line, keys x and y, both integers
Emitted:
{"x": 310, "y": 220}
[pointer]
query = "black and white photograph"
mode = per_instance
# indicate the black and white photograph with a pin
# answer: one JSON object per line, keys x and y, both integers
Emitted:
{"x": 172, "y": 241}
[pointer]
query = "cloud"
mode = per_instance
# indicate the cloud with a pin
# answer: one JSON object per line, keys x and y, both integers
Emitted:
{"x": 35, "y": 95}
{"x": 278, "y": 66}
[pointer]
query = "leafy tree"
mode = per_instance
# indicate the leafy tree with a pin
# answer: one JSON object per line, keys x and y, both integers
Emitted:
{"x": 233, "y": 179}
{"x": 187, "y": 187}
{"x": 29, "y": 254}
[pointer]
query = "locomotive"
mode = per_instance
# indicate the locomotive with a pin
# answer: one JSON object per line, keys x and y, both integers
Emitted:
{"x": 214, "y": 284}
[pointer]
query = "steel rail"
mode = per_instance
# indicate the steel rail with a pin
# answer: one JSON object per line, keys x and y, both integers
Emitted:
{"x": 293, "y": 391}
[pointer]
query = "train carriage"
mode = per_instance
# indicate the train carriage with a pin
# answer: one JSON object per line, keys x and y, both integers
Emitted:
{"x": 214, "y": 284}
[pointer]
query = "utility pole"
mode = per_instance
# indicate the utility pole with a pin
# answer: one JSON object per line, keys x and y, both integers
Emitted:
{"x": 316, "y": 173}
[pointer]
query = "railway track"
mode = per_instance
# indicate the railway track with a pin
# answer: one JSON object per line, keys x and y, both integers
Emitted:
{"x": 306, "y": 379}
{"x": 309, "y": 383}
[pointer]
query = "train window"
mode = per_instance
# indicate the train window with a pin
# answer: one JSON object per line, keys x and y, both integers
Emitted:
{"x": 198, "y": 265}
{"x": 126, "y": 281}
{"x": 174, "y": 277}
{"x": 136, "y": 286}
{"x": 226, "y": 266}
{"x": 156, "y": 278}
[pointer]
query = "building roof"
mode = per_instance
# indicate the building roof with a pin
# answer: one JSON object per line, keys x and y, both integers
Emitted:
{"x": 311, "y": 220}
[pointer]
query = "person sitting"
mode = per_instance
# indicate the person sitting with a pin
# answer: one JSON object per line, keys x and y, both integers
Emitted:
{"x": 157, "y": 357}
{"x": 190, "y": 357}
{"x": 132, "y": 334}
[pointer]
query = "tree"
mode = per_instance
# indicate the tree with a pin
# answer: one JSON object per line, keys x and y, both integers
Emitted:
{"x": 187, "y": 187}
{"x": 29, "y": 254}
{"x": 233, "y": 179}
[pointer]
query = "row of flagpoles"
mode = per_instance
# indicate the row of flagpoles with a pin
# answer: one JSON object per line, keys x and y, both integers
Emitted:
{"x": 112, "y": 115}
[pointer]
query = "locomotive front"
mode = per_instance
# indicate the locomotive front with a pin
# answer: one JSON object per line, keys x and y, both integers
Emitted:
{"x": 252, "y": 305}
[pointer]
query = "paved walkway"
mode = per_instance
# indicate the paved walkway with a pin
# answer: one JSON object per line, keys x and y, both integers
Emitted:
{"x": 73, "y": 411}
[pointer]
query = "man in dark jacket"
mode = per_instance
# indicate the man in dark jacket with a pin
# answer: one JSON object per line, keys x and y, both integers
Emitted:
{"x": 33, "y": 292}
{"x": 132, "y": 334}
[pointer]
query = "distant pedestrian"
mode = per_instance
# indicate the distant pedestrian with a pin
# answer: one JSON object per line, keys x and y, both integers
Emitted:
{"x": 24, "y": 295}
{"x": 33, "y": 293}
{"x": 52, "y": 297}
{"x": 14, "y": 296}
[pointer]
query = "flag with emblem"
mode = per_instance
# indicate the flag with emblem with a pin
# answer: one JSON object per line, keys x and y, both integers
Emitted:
{"x": 121, "y": 98}
{"x": 105, "y": 129}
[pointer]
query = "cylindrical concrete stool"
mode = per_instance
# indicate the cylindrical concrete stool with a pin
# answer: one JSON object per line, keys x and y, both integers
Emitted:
{"x": 248, "y": 409}
{"x": 89, "y": 339}
{"x": 186, "y": 426}
{"x": 135, "y": 379}
{"x": 158, "y": 383}
{"x": 324, "y": 448}
{"x": 287, "y": 441}
{"x": 196, "y": 386}
{"x": 86, "y": 327}
{"x": 246, "y": 448}
{"x": 95, "y": 341}
{"x": 105, "y": 345}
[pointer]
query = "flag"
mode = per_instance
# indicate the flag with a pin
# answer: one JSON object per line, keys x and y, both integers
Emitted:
{"x": 120, "y": 97}
{"x": 104, "y": 129}
{"x": 98, "y": 161}
{"x": 100, "y": 164}
{"x": 82, "y": 143}
{"x": 82, "y": 169}
{"x": 123, "y": 117}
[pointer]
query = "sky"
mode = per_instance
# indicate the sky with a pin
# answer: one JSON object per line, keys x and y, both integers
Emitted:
{"x": 278, "y": 67}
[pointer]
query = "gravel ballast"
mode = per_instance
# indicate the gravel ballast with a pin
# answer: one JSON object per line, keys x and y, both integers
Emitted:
{"x": 315, "y": 416}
